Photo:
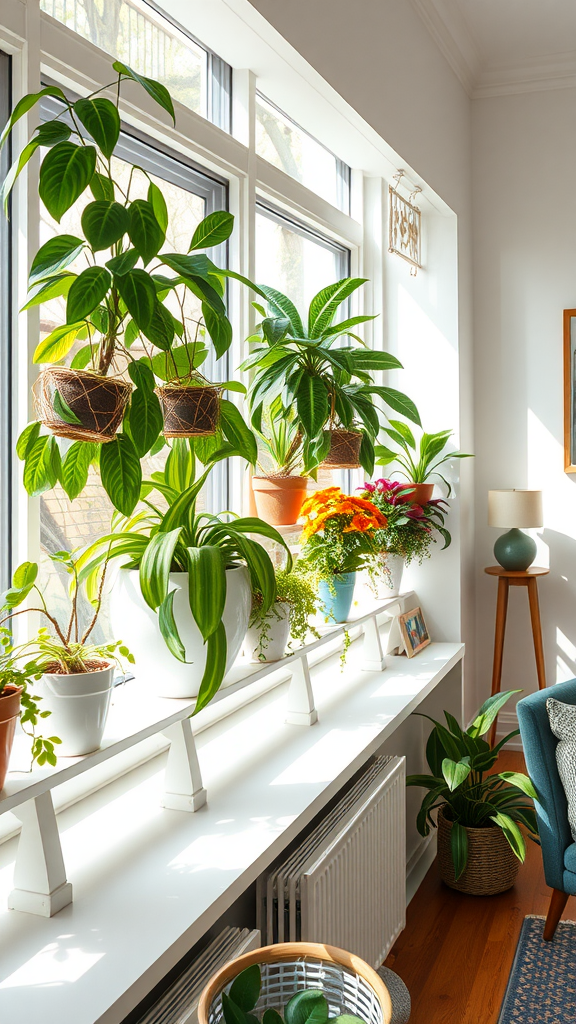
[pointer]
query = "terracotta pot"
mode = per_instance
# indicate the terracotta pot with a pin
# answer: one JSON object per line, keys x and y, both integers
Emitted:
{"x": 279, "y": 499}
{"x": 98, "y": 402}
{"x": 189, "y": 411}
{"x": 9, "y": 712}
{"x": 344, "y": 450}
{"x": 418, "y": 494}
{"x": 492, "y": 866}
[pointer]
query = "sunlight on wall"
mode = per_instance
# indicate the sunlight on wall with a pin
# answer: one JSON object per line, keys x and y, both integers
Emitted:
{"x": 565, "y": 669}
{"x": 430, "y": 362}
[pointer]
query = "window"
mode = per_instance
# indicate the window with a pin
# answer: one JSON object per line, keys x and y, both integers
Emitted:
{"x": 134, "y": 32}
{"x": 5, "y": 347}
{"x": 284, "y": 144}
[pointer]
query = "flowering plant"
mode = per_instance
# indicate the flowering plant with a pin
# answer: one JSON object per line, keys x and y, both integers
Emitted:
{"x": 409, "y": 529}
{"x": 339, "y": 534}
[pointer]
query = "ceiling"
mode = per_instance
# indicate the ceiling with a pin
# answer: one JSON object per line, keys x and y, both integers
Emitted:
{"x": 499, "y": 46}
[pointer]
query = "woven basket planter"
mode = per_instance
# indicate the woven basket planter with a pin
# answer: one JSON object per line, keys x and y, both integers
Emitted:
{"x": 97, "y": 402}
{"x": 348, "y": 983}
{"x": 189, "y": 411}
{"x": 492, "y": 866}
{"x": 344, "y": 451}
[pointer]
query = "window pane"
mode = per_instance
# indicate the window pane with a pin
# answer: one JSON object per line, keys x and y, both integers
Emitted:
{"x": 5, "y": 353}
{"x": 284, "y": 144}
{"x": 133, "y": 32}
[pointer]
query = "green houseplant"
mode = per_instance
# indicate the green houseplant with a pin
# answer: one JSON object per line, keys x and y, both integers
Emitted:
{"x": 418, "y": 462}
{"x": 74, "y": 677}
{"x": 269, "y": 632}
{"x": 186, "y": 574}
{"x": 280, "y": 487}
{"x": 308, "y": 1006}
{"x": 330, "y": 387}
{"x": 480, "y": 814}
{"x": 128, "y": 288}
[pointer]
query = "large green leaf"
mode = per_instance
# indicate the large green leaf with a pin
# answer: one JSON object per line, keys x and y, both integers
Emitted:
{"x": 459, "y": 848}
{"x": 235, "y": 430}
{"x": 216, "y": 652}
{"x": 169, "y": 629}
{"x": 75, "y": 468}
{"x": 64, "y": 174}
{"x": 326, "y": 302}
{"x": 179, "y": 468}
{"x": 312, "y": 404}
{"x": 521, "y": 782}
{"x": 156, "y": 90}
{"x": 160, "y": 331}
{"x": 512, "y": 832}
{"x": 23, "y": 580}
{"x": 206, "y": 587}
{"x": 213, "y": 230}
{"x": 307, "y": 1007}
{"x": 145, "y": 232}
{"x": 121, "y": 473}
{"x": 17, "y": 167}
{"x": 27, "y": 438}
{"x": 102, "y": 187}
{"x": 219, "y": 328}
{"x": 232, "y": 1013}
{"x": 104, "y": 223}
{"x": 156, "y": 565}
{"x": 51, "y": 132}
{"x": 158, "y": 203}
{"x": 245, "y": 988}
{"x": 36, "y": 475}
{"x": 281, "y": 305}
{"x": 179, "y": 361}
{"x": 54, "y": 255}
{"x": 52, "y": 288}
{"x": 145, "y": 419}
{"x": 87, "y": 292}
{"x": 102, "y": 120}
{"x": 26, "y": 104}
{"x": 124, "y": 262}
{"x": 177, "y": 514}
{"x": 58, "y": 344}
{"x": 368, "y": 359}
{"x": 489, "y": 711}
{"x": 455, "y": 772}
{"x": 138, "y": 292}
{"x": 399, "y": 402}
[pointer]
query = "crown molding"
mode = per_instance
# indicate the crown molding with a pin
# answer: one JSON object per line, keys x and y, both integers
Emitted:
{"x": 534, "y": 74}
{"x": 449, "y": 30}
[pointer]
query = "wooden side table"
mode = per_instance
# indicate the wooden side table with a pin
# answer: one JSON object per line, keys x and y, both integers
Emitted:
{"x": 506, "y": 578}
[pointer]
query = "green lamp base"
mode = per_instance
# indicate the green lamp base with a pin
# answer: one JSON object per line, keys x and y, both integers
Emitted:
{"x": 515, "y": 550}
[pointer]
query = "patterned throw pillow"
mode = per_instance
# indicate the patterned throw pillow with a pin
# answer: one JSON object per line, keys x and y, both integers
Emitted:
{"x": 562, "y": 719}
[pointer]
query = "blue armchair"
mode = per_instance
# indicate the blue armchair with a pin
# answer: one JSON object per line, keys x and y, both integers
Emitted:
{"x": 558, "y": 847}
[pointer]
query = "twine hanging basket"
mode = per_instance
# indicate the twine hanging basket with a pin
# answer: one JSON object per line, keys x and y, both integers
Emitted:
{"x": 492, "y": 866}
{"x": 344, "y": 451}
{"x": 189, "y": 411}
{"x": 97, "y": 402}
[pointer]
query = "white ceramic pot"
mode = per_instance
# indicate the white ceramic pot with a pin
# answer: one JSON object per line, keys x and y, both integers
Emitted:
{"x": 79, "y": 704}
{"x": 137, "y": 625}
{"x": 390, "y": 581}
{"x": 267, "y": 641}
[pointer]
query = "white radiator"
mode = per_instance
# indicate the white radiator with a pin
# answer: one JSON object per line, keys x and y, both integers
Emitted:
{"x": 178, "y": 1005}
{"x": 345, "y": 885}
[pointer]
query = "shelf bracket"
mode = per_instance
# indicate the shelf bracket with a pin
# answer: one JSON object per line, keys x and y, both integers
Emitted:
{"x": 183, "y": 789}
{"x": 40, "y": 884}
{"x": 373, "y": 659}
{"x": 301, "y": 710}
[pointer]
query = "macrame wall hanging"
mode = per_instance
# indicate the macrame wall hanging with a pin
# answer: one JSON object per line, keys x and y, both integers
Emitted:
{"x": 404, "y": 236}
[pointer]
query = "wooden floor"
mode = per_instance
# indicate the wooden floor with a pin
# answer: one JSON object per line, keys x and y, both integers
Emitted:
{"x": 456, "y": 951}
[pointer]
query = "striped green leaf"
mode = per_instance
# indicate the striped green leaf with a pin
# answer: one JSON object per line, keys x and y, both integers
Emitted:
{"x": 216, "y": 652}
{"x": 206, "y": 587}
{"x": 156, "y": 565}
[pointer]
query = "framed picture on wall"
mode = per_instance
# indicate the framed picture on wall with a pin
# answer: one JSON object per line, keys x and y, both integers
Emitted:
{"x": 414, "y": 631}
{"x": 570, "y": 390}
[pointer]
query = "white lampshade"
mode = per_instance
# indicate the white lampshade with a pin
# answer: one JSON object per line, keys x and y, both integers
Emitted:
{"x": 521, "y": 509}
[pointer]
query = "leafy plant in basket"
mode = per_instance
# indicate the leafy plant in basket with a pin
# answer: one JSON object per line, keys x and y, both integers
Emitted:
{"x": 460, "y": 784}
{"x": 409, "y": 530}
{"x": 419, "y": 463}
{"x": 179, "y": 538}
{"x": 309, "y": 1006}
{"x": 129, "y": 288}
{"x": 330, "y": 387}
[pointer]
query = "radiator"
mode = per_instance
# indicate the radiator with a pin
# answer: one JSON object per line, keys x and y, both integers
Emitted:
{"x": 345, "y": 884}
{"x": 178, "y": 1005}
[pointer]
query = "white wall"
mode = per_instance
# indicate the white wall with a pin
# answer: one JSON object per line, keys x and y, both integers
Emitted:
{"x": 524, "y": 149}
{"x": 381, "y": 59}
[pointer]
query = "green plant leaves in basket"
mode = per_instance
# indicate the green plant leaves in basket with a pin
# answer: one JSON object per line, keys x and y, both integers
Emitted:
{"x": 308, "y": 1006}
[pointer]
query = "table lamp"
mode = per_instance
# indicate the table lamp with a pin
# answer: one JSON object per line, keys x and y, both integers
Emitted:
{"x": 515, "y": 550}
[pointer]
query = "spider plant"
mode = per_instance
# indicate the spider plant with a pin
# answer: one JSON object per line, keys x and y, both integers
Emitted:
{"x": 157, "y": 541}
{"x": 418, "y": 462}
{"x": 280, "y": 440}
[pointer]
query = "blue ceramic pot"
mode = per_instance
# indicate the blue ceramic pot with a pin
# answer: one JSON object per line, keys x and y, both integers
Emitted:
{"x": 336, "y": 598}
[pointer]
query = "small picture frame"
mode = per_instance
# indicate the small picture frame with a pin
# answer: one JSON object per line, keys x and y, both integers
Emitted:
{"x": 414, "y": 631}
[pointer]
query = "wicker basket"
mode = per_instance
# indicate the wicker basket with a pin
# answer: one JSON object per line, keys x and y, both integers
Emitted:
{"x": 97, "y": 401}
{"x": 189, "y": 411}
{"x": 344, "y": 451}
{"x": 492, "y": 866}
{"x": 348, "y": 983}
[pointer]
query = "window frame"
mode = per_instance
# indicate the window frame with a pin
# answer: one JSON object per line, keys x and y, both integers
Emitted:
{"x": 6, "y": 344}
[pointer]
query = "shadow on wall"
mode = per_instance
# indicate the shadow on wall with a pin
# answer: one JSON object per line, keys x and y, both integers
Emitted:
{"x": 558, "y": 592}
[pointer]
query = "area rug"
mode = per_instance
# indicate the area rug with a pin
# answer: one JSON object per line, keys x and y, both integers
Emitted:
{"x": 542, "y": 984}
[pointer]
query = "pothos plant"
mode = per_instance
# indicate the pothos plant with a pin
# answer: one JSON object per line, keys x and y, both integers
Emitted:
{"x": 157, "y": 541}
{"x": 329, "y": 385}
{"x": 129, "y": 288}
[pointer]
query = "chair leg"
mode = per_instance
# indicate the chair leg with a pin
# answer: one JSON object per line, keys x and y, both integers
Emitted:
{"x": 557, "y": 903}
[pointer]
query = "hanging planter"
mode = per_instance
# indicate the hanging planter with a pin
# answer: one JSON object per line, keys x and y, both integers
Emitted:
{"x": 279, "y": 498}
{"x": 80, "y": 405}
{"x": 9, "y": 712}
{"x": 344, "y": 451}
{"x": 188, "y": 410}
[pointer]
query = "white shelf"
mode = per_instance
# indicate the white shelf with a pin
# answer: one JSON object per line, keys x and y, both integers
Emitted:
{"x": 150, "y": 882}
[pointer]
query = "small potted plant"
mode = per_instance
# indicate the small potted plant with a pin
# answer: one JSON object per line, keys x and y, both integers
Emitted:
{"x": 75, "y": 678}
{"x": 480, "y": 814}
{"x": 280, "y": 489}
{"x": 338, "y": 540}
{"x": 288, "y": 618}
{"x": 329, "y": 386}
{"x": 409, "y": 531}
{"x": 418, "y": 462}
